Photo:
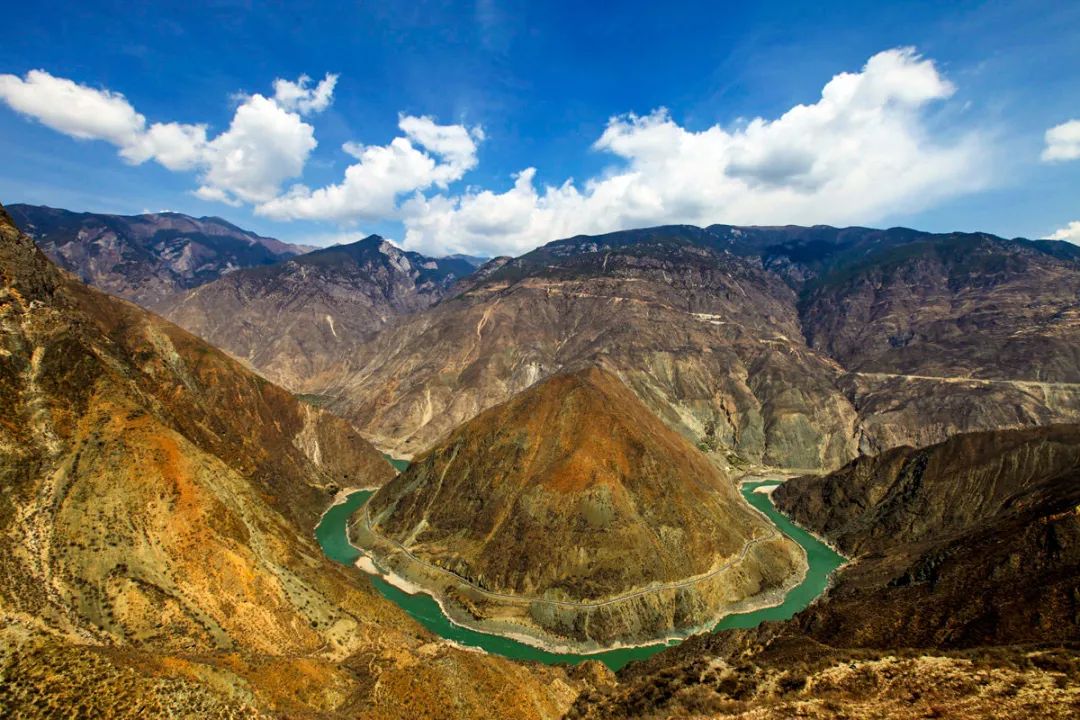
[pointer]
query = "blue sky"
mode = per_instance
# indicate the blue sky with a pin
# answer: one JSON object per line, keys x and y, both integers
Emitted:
{"x": 945, "y": 130}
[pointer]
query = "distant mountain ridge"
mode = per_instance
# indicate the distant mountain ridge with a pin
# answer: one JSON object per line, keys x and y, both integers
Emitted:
{"x": 798, "y": 347}
{"x": 302, "y": 319}
{"x": 146, "y": 258}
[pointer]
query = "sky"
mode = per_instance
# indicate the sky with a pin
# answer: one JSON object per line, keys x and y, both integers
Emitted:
{"x": 494, "y": 126}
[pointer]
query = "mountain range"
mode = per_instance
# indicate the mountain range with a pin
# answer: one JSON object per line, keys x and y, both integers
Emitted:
{"x": 759, "y": 346}
{"x": 578, "y": 420}
{"x": 146, "y": 258}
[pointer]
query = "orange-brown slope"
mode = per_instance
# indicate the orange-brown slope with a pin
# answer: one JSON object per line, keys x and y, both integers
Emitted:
{"x": 574, "y": 491}
{"x": 155, "y": 534}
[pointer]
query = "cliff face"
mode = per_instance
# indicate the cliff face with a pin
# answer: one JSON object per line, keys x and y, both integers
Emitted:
{"x": 709, "y": 327}
{"x": 573, "y": 491}
{"x": 967, "y": 572}
{"x": 156, "y": 550}
{"x": 146, "y": 258}
{"x": 300, "y": 322}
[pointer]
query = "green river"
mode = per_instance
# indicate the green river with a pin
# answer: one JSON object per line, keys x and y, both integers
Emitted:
{"x": 331, "y": 534}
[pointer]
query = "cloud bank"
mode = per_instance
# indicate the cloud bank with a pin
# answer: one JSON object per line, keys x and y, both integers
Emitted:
{"x": 266, "y": 143}
{"x": 865, "y": 149}
{"x": 1062, "y": 142}
{"x": 860, "y": 152}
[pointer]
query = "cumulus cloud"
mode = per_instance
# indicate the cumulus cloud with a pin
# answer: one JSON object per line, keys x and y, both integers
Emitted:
{"x": 1062, "y": 142}
{"x": 860, "y": 152}
{"x": 1070, "y": 232}
{"x": 428, "y": 154}
{"x": 299, "y": 97}
{"x": 266, "y": 144}
{"x": 76, "y": 110}
{"x": 865, "y": 149}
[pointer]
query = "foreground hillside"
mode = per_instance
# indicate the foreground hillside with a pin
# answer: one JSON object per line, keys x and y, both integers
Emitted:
{"x": 156, "y": 535}
{"x": 962, "y": 601}
{"x": 572, "y": 514}
{"x": 790, "y": 347}
{"x": 146, "y": 258}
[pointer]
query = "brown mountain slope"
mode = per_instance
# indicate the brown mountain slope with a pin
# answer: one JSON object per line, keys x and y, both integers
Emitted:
{"x": 914, "y": 338}
{"x": 708, "y": 341}
{"x": 574, "y": 492}
{"x": 156, "y": 550}
{"x": 975, "y": 541}
{"x": 962, "y": 602}
{"x": 963, "y": 306}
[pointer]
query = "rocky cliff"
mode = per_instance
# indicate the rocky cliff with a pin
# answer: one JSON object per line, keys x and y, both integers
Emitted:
{"x": 146, "y": 258}
{"x": 156, "y": 549}
{"x": 572, "y": 510}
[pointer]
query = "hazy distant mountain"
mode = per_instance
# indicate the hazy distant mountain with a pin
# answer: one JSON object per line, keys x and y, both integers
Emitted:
{"x": 146, "y": 258}
{"x": 302, "y": 320}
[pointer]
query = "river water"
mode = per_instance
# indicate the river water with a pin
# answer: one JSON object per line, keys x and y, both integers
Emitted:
{"x": 333, "y": 536}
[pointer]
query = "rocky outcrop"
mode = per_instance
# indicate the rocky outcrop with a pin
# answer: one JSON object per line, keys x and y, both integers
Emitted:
{"x": 156, "y": 549}
{"x": 146, "y": 258}
{"x": 301, "y": 322}
{"x": 571, "y": 513}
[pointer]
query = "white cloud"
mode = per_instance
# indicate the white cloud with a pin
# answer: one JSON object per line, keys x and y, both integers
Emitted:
{"x": 299, "y": 97}
{"x": 264, "y": 146}
{"x": 1070, "y": 232}
{"x": 76, "y": 110}
{"x": 1062, "y": 142}
{"x": 266, "y": 143}
{"x": 174, "y": 145}
{"x": 860, "y": 152}
{"x": 428, "y": 154}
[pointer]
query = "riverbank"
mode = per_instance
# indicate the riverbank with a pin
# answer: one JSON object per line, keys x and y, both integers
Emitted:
{"x": 821, "y": 563}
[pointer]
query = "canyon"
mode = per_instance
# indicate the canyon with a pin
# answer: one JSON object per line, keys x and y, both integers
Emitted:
{"x": 577, "y": 419}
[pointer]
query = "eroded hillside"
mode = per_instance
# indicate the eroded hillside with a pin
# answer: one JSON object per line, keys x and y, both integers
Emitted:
{"x": 912, "y": 338}
{"x": 961, "y": 602}
{"x": 573, "y": 514}
{"x": 156, "y": 534}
